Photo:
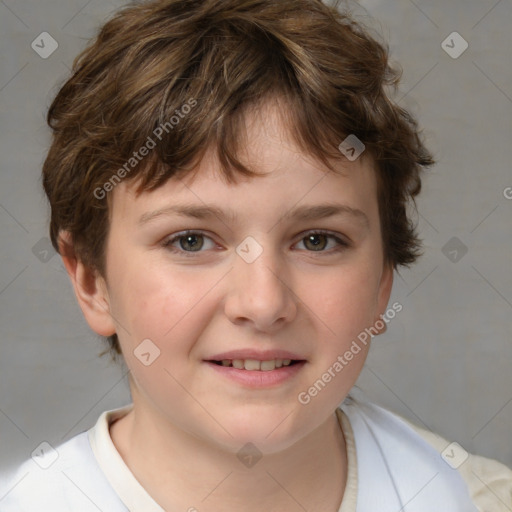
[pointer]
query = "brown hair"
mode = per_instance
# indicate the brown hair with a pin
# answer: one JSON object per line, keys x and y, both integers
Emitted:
{"x": 221, "y": 57}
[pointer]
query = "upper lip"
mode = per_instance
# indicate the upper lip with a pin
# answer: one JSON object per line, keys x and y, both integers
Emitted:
{"x": 258, "y": 355}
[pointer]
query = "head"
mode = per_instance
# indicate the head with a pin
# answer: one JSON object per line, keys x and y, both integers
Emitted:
{"x": 233, "y": 110}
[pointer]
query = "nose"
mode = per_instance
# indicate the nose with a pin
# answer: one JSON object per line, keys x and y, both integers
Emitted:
{"x": 259, "y": 294}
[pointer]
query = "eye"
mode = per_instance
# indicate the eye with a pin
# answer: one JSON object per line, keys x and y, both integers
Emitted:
{"x": 188, "y": 242}
{"x": 318, "y": 241}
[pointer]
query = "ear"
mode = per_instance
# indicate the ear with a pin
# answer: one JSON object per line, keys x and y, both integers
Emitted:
{"x": 385, "y": 286}
{"x": 90, "y": 289}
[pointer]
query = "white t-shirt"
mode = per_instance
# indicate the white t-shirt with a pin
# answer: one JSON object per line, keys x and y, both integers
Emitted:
{"x": 87, "y": 473}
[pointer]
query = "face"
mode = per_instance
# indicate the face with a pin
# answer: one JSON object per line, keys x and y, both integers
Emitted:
{"x": 285, "y": 266}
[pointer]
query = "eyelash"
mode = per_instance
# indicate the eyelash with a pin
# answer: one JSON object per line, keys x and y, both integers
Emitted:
{"x": 167, "y": 244}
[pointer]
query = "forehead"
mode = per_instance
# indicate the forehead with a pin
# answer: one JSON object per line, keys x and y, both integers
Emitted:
{"x": 287, "y": 177}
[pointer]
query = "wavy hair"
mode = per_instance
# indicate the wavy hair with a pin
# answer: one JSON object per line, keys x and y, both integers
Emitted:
{"x": 151, "y": 58}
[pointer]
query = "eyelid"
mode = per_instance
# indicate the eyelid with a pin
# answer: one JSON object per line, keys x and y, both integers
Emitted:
{"x": 342, "y": 241}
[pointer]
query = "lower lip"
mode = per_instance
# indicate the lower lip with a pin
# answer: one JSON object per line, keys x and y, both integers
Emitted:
{"x": 258, "y": 378}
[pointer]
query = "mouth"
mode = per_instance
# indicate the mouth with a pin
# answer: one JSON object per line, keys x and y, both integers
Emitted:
{"x": 253, "y": 368}
{"x": 255, "y": 364}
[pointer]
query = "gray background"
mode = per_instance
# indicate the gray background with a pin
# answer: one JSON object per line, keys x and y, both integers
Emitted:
{"x": 444, "y": 362}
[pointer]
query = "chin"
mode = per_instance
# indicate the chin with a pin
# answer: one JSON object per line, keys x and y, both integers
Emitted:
{"x": 269, "y": 432}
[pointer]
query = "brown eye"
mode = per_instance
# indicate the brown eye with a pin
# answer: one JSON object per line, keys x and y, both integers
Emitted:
{"x": 191, "y": 242}
{"x": 316, "y": 242}
{"x": 323, "y": 243}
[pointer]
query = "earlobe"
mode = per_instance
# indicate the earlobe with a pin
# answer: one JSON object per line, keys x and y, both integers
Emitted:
{"x": 89, "y": 287}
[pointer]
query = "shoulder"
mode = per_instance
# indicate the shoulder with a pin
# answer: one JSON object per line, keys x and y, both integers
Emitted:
{"x": 59, "y": 479}
{"x": 489, "y": 481}
{"x": 385, "y": 438}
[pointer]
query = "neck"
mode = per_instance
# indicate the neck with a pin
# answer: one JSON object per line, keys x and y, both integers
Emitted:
{"x": 183, "y": 472}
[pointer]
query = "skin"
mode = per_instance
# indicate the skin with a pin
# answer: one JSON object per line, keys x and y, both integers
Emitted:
{"x": 188, "y": 422}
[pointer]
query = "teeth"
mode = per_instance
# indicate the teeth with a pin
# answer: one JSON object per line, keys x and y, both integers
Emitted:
{"x": 254, "y": 364}
{"x": 265, "y": 366}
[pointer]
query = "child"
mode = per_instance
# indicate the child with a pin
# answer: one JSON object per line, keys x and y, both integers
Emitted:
{"x": 229, "y": 187}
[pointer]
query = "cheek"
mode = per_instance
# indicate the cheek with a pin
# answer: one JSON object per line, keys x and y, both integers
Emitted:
{"x": 345, "y": 304}
{"x": 342, "y": 309}
{"x": 168, "y": 307}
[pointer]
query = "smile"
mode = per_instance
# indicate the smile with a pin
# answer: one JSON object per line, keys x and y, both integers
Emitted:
{"x": 254, "y": 364}
{"x": 257, "y": 374}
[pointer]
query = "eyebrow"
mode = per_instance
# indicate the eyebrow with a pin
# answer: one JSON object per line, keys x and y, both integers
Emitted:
{"x": 301, "y": 213}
